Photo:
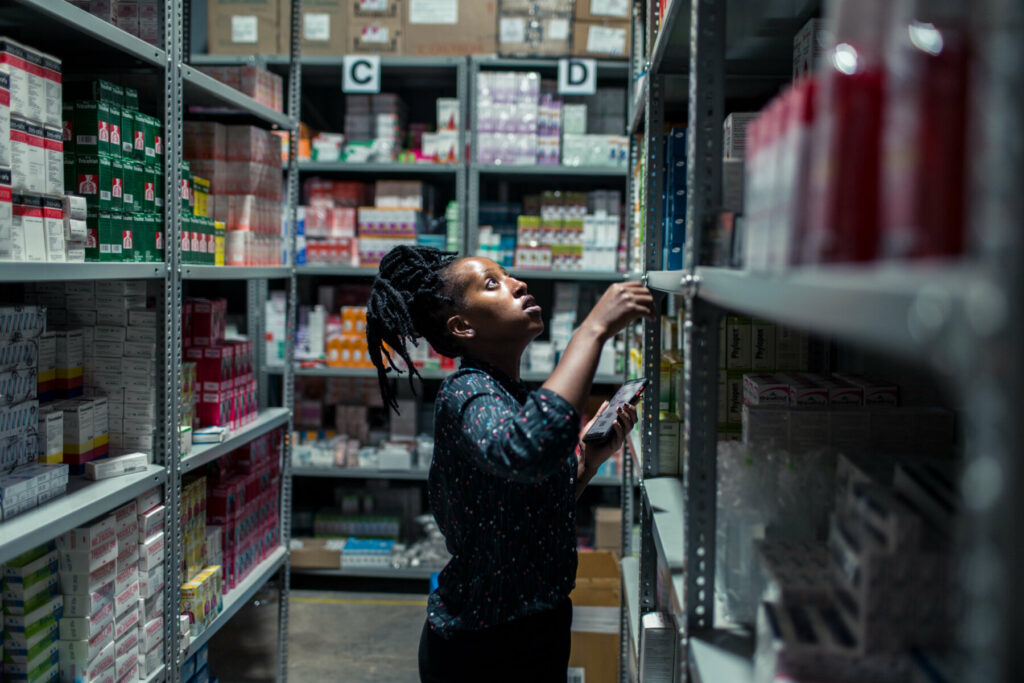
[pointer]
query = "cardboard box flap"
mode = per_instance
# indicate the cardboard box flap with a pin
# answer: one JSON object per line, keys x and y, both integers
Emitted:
{"x": 598, "y": 582}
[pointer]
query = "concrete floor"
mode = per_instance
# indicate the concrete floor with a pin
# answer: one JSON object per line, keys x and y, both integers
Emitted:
{"x": 333, "y": 636}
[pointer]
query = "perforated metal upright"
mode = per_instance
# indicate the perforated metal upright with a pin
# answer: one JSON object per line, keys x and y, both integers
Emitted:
{"x": 700, "y": 328}
{"x": 172, "y": 115}
{"x": 288, "y": 381}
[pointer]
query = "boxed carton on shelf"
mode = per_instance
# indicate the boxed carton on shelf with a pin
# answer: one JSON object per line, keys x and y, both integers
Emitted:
{"x": 522, "y": 33}
{"x": 323, "y": 28}
{"x": 251, "y": 29}
{"x": 601, "y": 39}
{"x": 376, "y": 27}
{"x": 456, "y": 28}
{"x": 264, "y": 86}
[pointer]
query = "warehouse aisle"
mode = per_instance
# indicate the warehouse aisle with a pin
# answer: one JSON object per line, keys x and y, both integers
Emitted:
{"x": 333, "y": 636}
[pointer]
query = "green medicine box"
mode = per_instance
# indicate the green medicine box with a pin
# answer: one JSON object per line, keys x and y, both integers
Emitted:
{"x": 149, "y": 238}
{"x": 185, "y": 252}
{"x": 117, "y": 184}
{"x": 131, "y": 99}
{"x": 92, "y": 240}
{"x": 156, "y": 177}
{"x": 128, "y": 233}
{"x": 149, "y": 127}
{"x": 109, "y": 230}
{"x": 105, "y": 91}
{"x": 158, "y": 138}
{"x": 127, "y": 133}
{"x": 138, "y": 136}
{"x": 92, "y": 127}
{"x": 68, "y": 123}
{"x": 94, "y": 179}
{"x": 185, "y": 187}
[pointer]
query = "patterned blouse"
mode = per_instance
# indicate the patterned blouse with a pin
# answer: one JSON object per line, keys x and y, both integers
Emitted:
{"x": 503, "y": 489}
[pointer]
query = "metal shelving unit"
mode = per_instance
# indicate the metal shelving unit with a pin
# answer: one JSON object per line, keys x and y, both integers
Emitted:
{"x": 268, "y": 420}
{"x": 410, "y": 170}
{"x": 240, "y": 595}
{"x": 407, "y": 574}
{"x": 62, "y": 272}
{"x": 570, "y": 276}
{"x": 84, "y": 501}
{"x": 189, "y": 272}
{"x": 336, "y": 271}
{"x": 951, "y": 319}
{"x": 216, "y": 98}
{"x": 408, "y": 475}
{"x": 544, "y": 172}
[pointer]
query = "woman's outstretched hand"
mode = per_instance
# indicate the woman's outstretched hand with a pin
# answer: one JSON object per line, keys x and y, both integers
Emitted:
{"x": 593, "y": 455}
{"x": 621, "y": 304}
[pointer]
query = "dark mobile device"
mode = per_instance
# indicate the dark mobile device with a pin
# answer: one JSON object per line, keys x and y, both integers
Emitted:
{"x": 627, "y": 393}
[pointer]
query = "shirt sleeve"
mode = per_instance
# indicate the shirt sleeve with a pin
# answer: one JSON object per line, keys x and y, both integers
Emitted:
{"x": 525, "y": 444}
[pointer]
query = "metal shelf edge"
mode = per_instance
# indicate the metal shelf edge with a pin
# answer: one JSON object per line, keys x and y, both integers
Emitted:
{"x": 540, "y": 171}
{"x": 193, "y": 272}
{"x": 398, "y": 168}
{"x": 230, "y": 97}
{"x": 370, "y": 573}
{"x": 157, "y": 675}
{"x": 94, "y": 27}
{"x": 239, "y": 595}
{"x": 51, "y": 272}
{"x": 358, "y": 473}
{"x": 269, "y": 419}
{"x": 712, "y": 661}
{"x": 82, "y": 503}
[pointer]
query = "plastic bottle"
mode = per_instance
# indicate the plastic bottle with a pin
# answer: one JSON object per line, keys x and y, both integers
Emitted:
{"x": 844, "y": 224}
{"x": 924, "y": 159}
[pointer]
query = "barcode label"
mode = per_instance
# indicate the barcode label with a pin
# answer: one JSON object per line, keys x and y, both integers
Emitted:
{"x": 576, "y": 675}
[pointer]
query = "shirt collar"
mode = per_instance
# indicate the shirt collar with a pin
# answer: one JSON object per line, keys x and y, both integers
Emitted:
{"x": 515, "y": 387}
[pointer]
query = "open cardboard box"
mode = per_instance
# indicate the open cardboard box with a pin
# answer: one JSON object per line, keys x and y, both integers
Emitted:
{"x": 596, "y": 602}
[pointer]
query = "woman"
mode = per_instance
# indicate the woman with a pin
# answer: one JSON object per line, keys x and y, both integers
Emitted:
{"x": 507, "y": 464}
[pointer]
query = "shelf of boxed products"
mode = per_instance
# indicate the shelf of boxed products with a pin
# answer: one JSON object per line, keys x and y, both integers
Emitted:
{"x": 84, "y": 500}
{"x": 207, "y": 92}
{"x": 408, "y": 573}
{"x": 60, "y": 22}
{"x": 721, "y": 656}
{"x": 665, "y": 497}
{"x": 605, "y": 67}
{"x": 235, "y": 272}
{"x": 552, "y": 171}
{"x": 568, "y": 275}
{"x": 396, "y": 168}
{"x": 267, "y": 420}
{"x": 631, "y": 590}
{"x": 51, "y": 272}
{"x": 357, "y": 373}
{"x": 239, "y": 596}
{"x": 897, "y": 308}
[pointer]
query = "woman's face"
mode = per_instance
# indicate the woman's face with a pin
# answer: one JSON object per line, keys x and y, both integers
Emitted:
{"x": 496, "y": 306}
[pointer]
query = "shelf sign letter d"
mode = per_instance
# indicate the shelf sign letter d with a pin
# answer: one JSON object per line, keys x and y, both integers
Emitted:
{"x": 361, "y": 74}
{"x": 577, "y": 76}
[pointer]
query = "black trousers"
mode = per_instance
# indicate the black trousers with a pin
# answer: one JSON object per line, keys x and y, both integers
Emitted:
{"x": 534, "y": 649}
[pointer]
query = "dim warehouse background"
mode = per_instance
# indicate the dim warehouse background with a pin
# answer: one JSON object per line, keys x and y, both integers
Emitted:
{"x": 198, "y": 480}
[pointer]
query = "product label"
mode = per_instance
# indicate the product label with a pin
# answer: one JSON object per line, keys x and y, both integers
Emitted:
{"x": 607, "y": 40}
{"x": 244, "y": 29}
{"x": 434, "y": 12}
{"x": 610, "y": 8}
{"x": 316, "y": 27}
{"x": 512, "y": 30}
{"x": 558, "y": 29}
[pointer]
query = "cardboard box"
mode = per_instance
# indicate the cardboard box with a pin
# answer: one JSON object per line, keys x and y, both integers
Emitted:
{"x": 375, "y": 35}
{"x": 595, "y": 622}
{"x": 450, "y": 28}
{"x": 242, "y": 29}
{"x": 608, "y": 529}
{"x": 316, "y": 553}
{"x": 601, "y": 39}
{"x": 324, "y": 27}
{"x": 520, "y": 35}
{"x": 603, "y": 10}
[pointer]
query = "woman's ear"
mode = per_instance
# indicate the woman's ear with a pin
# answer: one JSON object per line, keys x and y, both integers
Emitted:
{"x": 460, "y": 328}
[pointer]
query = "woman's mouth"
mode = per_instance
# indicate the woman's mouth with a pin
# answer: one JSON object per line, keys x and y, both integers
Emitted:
{"x": 530, "y": 305}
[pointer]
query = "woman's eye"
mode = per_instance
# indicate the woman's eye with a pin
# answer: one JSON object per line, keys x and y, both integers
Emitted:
{"x": 491, "y": 283}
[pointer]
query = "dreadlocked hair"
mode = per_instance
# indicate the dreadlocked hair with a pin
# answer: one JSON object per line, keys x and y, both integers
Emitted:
{"x": 411, "y": 298}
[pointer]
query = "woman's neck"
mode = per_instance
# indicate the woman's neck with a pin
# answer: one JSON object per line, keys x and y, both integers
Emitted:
{"x": 506, "y": 360}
